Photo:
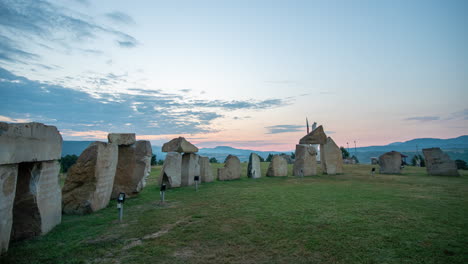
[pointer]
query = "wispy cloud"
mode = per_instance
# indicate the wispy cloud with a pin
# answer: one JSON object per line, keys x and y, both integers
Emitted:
{"x": 284, "y": 129}
{"x": 423, "y": 118}
{"x": 120, "y": 17}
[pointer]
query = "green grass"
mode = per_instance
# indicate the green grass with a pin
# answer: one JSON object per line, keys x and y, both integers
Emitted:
{"x": 348, "y": 218}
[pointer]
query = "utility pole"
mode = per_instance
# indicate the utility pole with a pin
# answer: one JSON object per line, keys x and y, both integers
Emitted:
{"x": 355, "y": 148}
{"x": 307, "y": 123}
{"x": 347, "y": 143}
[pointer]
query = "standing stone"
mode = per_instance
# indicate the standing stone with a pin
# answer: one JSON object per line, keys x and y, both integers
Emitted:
{"x": 305, "y": 163}
{"x": 180, "y": 145}
{"x": 231, "y": 170}
{"x": 122, "y": 139}
{"x": 206, "y": 173}
{"x": 133, "y": 168}
{"x": 30, "y": 197}
{"x": 278, "y": 167}
{"x": 374, "y": 161}
{"x": 190, "y": 168}
{"x": 332, "y": 159}
{"x": 253, "y": 168}
{"x": 171, "y": 172}
{"x": 439, "y": 163}
{"x": 317, "y": 136}
{"x": 390, "y": 163}
{"x": 88, "y": 186}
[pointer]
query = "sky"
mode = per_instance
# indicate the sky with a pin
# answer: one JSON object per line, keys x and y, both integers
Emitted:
{"x": 244, "y": 74}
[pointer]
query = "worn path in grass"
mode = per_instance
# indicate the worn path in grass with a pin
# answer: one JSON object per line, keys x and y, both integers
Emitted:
{"x": 349, "y": 218}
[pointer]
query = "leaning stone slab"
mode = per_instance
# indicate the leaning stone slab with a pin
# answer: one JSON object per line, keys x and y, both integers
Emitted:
{"x": 121, "y": 138}
{"x": 278, "y": 167}
{"x": 231, "y": 170}
{"x": 390, "y": 163}
{"x": 317, "y": 136}
{"x": 171, "y": 172}
{"x": 305, "y": 163}
{"x": 88, "y": 186}
{"x": 8, "y": 176}
{"x": 439, "y": 163}
{"x": 133, "y": 168}
{"x": 29, "y": 142}
{"x": 180, "y": 145}
{"x": 190, "y": 168}
{"x": 332, "y": 159}
{"x": 206, "y": 173}
{"x": 253, "y": 168}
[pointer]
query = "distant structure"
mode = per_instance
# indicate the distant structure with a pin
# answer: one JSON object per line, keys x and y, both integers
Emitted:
{"x": 307, "y": 124}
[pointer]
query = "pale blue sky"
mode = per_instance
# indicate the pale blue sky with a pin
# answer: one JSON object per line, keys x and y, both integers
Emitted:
{"x": 232, "y": 71}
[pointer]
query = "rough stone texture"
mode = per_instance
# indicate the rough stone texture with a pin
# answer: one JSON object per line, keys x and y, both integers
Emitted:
{"x": 88, "y": 186}
{"x": 390, "y": 163}
{"x": 180, "y": 145}
{"x": 190, "y": 168}
{"x": 288, "y": 158}
{"x": 317, "y": 136}
{"x": 133, "y": 168}
{"x": 306, "y": 161}
{"x": 332, "y": 159}
{"x": 278, "y": 167}
{"x": 231, "y": 170}
{"x": 8, "y": 175}
{"x": 122, "y": 138}
{"x": 29, "y": 142}
{"x": 253, "y": 168}
{"x": 439, "y": 163}
{"x": 206, "y": 172}
{"x": 171, "y": 172}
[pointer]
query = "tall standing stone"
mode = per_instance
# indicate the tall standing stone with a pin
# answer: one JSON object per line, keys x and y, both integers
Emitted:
{"x": 88, "y": 186}
{"x": 231, "y": 170}
{"x": 171, "y": 172}
{"x": 30, "y": 197}
{"x": 190, "y": 168}
{"x": 390, "y": 163}
{"x": 206, "y": 173}
{"x": 253, "y": 168}
{"x": 439, "y": 163}
{"x": 305, "y": 163}
{"x": 133, "y": 168}
{"x": 278, "y": 167}
{"x": 332, "y": 159}
{"x": 317, "y": 136}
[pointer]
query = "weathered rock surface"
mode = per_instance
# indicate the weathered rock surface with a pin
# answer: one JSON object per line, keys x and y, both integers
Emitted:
{"x": 29, "y": 142}
{"x": 439, "y": 163}
{"x": 122, "y": 138}
{"x": 278, "y": 167}
{"x": 180, "y": 145}
{"x": 231, "y": 170}
{"x": 190, "y": 168}
{"x": 288, "y": 158}
{"x": 306, "y": 161}
{"x": 8, "y": 175}
{"x": 206, "y": 172}
{"x": 332, "y": 159}
{"x": 317, "y": 136}
{"x": 390, "y": 163}
{"x": 88, "y": 186}
{"x": 171, "y": 172}
{"x": 253, "y": 168}
{"x": 133, "y": 168}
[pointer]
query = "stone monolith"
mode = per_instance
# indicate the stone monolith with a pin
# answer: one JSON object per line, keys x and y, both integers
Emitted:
{"x": 278, "y": 167}
{"x": 171, "y": 172}
{"x": 122, "y": 139}
{"x": 206, "y": 172}
{"x": 390, "y": 163}
{"x": 190, "y": 168}
{"x": 317, "y": 136}
{"x": 439, "y": 163}
{"x": 231, "y": 170}
{"x": 332, "y": 158}
{"x": 180, "y": 145}
{"x": 305, "y": 163}
{"x": 253, "y": 168}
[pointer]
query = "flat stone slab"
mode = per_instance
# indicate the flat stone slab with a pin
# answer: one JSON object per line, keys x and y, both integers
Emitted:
{"x": 253, "y": 168}
{"x": 171, "y": 172}
{"x": 89, "y": 183}
{"x": 231, "y": 170}
{"x": 206, "y": 172}
{"x": 317, "y": 136}
{"x": 390, "y": 163}
{"x": 331, "y": 157}
{"x": 133, "y": 168}
{"x": 122, "y": 138}
{"x": 439, "y": 163}
{"x": 29, "y": 142}
{"x": 278, "y": 167}
{"x": 305, "y": 163}
{"x": 180, "y": 145}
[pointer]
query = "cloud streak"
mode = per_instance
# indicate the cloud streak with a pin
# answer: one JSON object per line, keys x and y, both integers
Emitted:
{"x": 278, "y": 129}
{"x": 423, "y": 118}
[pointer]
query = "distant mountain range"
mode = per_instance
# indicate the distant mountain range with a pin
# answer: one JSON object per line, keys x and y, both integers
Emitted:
{"x": 456, "y": 148}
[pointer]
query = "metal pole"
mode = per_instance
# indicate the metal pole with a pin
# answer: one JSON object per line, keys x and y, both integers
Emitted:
{"x": 121, "y": 213}
{"x": 196, "y": 186}
{"x": 162, "y": 196}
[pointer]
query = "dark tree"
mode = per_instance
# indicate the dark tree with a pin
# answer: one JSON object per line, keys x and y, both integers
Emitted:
{"x": 213, "y": 160}
{"x": 414, "y": 160}
{"x": 344, "y": 153}
{"x": 153, "y": 160}
{"x": 160, "y": 162}
{"x": 293, "y": 155}
{"x": 261, "y": 158}
{"x": 66, "y": 162}
{"x": 355, "y": 159}
{"x": 268, "y": 159}
{"x": 461, "y": 164}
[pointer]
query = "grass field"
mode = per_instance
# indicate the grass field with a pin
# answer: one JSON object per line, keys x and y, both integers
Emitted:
{"x": 349, "y": 218}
